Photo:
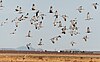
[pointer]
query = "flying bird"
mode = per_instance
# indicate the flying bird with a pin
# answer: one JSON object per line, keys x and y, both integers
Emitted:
{"x": 80, "y": 9}
{"x": 95, "y": 5}
{"x": 88, "y": 16}
{"x": 56, "y": 14}
{"x": 40, "y": 43}
{"x": 64, "y": 17}
{"x": 88, "y": 30}
{"x": 85, "y": 38}
{"x": 37, "y": 13}
{"x": 1, "y": 3}
{"x": 26, "y": 16}
{"x": 29, "y": 34}
{"x": 51, "y": 9}
{"x": 28, "y": 46}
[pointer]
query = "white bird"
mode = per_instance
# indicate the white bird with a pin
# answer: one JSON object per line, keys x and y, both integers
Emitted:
{"x": 33, "y": 7}
{"x": 80, "y": 9}
{"x": 28, "y": 46}
{"x": 95, "y": 5}
{"x": 1, "y": 3}
{"x": 72, "y": 43}
{"x": 51, "y": 9}
{"x": 29, "y": 34}
{"x": 40, "y": 43}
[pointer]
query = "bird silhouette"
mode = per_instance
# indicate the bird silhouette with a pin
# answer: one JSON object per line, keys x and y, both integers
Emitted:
{"x": 88, "y": 16}
{"x": 40, "y": 43}
{"x": 28, "y": 46}
{"x": 80, "y": 9}
{"x": 72, "y": 43}
{"x": 88, "y": 30}
{"x": 64, "y": 17}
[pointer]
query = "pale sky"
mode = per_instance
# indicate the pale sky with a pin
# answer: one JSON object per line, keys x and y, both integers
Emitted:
{"x": 48, "y": 31}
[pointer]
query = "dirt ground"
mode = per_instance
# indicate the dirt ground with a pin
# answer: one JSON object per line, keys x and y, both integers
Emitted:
{"x": 48, "y": 58}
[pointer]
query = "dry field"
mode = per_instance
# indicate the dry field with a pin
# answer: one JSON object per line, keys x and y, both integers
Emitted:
{"x": 48, "y": 58}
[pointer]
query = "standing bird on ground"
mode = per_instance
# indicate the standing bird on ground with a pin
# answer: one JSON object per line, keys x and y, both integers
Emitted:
{"x": 95, "y": 5}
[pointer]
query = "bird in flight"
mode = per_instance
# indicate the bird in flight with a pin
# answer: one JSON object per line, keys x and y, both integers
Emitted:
{"x": 88, "y": 16}
{"x": 95, "y": 5}
{"x": 40, "y": 43}
{"x": 51, "y": 9}
{"x": 80, "y": 9}
{"x": 56, "y": 38}
{"x": 1, "y": 3}
{"x": 72, "y": 43}
{"x": 85, "y": 38}
{"x": 28, "y": 46}
{"x": 29, "y": 34}
{"x": 88, "y": 30}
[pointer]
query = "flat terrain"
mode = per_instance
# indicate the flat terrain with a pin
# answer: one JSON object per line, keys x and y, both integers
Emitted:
{"x": 48, "y": 58}
{"x": 8, "y": 56}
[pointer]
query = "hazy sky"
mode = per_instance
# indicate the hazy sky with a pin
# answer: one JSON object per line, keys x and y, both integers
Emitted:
{"x": 67, "y": 7}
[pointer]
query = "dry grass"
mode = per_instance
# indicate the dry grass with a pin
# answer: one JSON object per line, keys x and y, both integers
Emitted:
{"x": 48, "y": 58}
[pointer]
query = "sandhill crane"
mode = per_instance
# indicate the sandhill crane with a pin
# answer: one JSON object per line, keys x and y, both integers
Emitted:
{"x": 72, "y": 43}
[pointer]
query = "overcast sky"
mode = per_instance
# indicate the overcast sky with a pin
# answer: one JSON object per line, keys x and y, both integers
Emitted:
{"x": 48, "y": 31}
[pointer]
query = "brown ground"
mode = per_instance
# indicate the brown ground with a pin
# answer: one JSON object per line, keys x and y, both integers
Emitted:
{"x": 5, "y": 57}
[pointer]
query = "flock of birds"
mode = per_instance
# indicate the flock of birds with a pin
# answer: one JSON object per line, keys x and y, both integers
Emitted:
{"x": 37, "y": 21}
